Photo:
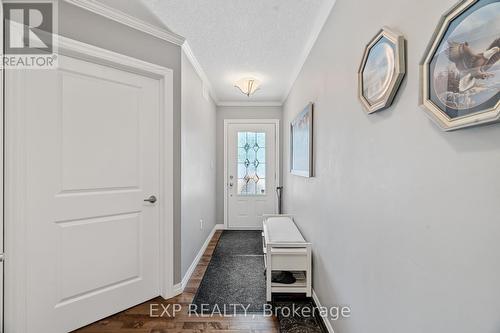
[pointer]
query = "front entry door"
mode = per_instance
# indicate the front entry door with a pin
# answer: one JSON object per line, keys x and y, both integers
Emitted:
{"x": 92, "y": 158}
{"x": 251, "y": 174}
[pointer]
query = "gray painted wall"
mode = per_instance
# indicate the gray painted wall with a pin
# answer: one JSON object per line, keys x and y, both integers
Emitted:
{"x": 236, "y": 112}
{"x": 404, "y": 218}
{"x": 90, "y": 28}
{"x": 198, "y": 165}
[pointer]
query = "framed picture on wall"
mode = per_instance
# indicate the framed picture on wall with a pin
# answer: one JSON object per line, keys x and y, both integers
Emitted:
{"x": 301, "y": 143}
{"x": 382, "y": 69}
{"x": 460, "y": 71}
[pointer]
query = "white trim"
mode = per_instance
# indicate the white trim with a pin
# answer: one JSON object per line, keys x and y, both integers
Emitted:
{"x": 177, "y": 289}
{"x": 167, "y": 187}
{"x": 276, "y": 122}
{"x": 2, "y": 224}
{"x": 80, "y": 50}
{"x": 15, "y": 187}
{"x": 320, "y": 21}
{"x": 244, "y": 228}
{"x": 186, "y": 48}
{"x": 130, "y": 21}
{"x": 249, "y": 103}
{"x": 325, "y": 319}
{"x": 196, "y": 260}
{"x": 15, "y": 301}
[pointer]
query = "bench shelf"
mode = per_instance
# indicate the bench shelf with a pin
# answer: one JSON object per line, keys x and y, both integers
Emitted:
{"x": 286, "y": 250}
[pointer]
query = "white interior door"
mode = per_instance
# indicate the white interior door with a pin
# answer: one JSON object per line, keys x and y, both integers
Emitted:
{"x": 92, "y": 151}
{"x": 251, "y": 174}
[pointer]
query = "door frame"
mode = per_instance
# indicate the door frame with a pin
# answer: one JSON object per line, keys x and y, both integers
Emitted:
{"x": 228, "y": 122}
{"x": 2, "y": 176}
{"x": 16, "y": 268}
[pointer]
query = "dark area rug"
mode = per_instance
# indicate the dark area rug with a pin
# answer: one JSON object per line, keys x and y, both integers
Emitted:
{"x": 292, "y": 318}
{"x": 234, "y": 280}
{"x": 239, "y": 243}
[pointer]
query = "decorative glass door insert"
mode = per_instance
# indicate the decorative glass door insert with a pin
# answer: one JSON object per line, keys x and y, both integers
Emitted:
{"x": 251, "y": 163}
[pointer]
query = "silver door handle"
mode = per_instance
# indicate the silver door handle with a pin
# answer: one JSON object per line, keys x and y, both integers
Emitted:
{"x": 151, "y": 199}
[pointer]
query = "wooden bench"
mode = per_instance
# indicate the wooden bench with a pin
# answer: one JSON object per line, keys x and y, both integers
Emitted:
{"x": 286, "y": 250}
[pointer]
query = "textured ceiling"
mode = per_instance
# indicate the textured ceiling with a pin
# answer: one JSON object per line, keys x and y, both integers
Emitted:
{"x": 231, "y": 39}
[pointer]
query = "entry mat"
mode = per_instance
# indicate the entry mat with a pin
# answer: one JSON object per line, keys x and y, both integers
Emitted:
{"x": 234, "y": 281}
{"x": 297, "y": 315}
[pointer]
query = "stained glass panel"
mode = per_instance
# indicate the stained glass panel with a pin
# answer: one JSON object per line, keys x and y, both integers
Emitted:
{"x": 251, "y": 163}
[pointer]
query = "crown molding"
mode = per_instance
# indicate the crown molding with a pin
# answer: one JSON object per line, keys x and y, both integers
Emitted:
{"x": 324, "y": 13}
{"x": 199, "y": 70}
{"x": 123, "y": 18}
{"x": 249, "y": 103}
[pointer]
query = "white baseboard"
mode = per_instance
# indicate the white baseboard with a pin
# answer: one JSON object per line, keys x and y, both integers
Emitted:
{"x": 244, "y": 228}
{"x": 326, "y": 321}
{"x": 193, "y": 265}
{"x": 177, "y": 289}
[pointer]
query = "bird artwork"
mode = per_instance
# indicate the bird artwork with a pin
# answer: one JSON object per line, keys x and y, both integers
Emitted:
{"x": 473, "y": 66}
{"x": 460, "y": 84}
{"x": 467, "y": 74}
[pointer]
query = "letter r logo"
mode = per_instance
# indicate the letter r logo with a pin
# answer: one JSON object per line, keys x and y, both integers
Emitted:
{"x": 28, "y": 27}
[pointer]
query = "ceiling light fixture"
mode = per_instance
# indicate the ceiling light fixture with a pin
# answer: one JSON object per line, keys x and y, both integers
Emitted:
{"x": 248, "y": 86}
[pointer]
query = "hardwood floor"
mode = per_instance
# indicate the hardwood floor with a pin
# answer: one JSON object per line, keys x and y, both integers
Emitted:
{"x": 138, "y": 319}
